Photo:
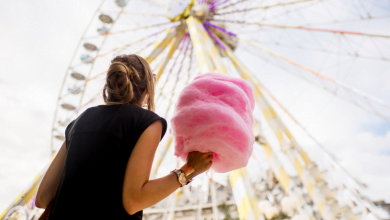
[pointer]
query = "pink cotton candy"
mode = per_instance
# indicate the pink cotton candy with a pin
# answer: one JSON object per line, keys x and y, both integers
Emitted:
{"x": 214, "y": 113}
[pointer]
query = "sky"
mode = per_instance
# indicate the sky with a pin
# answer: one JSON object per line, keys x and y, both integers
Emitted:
{"x": 36, "y": 45}
{"x": 37, "y": 41}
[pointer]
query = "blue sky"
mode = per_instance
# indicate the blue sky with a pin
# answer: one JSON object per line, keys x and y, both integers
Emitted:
{"x": 379, "y": 129}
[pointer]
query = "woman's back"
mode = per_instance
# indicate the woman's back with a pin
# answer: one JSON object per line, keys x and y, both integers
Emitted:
{"x": 99, "y": 143}
{"x": 102, "y": 170}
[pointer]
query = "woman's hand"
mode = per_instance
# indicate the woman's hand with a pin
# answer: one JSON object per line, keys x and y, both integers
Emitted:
{"x": 200, "y": 161}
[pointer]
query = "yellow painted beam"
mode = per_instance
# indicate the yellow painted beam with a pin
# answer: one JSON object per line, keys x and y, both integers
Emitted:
{"x": 159, "y": 46}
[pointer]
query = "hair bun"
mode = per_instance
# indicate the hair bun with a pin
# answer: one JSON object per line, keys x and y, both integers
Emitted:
{"x": 128, "y": 78}
{"x": 118, "y": 85}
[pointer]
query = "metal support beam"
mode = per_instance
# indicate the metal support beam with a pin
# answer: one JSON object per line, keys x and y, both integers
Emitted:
{"x": 159, "y": 46}
{"x": 205, "y": 50}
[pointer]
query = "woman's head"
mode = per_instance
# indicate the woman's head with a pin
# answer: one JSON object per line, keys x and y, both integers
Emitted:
{"x": 129, "y": 80}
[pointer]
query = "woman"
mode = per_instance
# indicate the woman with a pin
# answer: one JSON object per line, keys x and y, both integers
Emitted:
{"x": 102, "y": 169}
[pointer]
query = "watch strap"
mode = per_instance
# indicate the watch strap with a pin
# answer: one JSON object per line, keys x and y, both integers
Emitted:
{"x": 189, "y": 177}
{"x": 187, "y": 169}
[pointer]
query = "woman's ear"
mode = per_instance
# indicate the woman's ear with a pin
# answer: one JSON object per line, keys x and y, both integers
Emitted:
{"x": 145, "y": 96}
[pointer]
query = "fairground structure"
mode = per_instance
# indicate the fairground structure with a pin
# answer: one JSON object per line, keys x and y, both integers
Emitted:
{"x": 184, "y": 38}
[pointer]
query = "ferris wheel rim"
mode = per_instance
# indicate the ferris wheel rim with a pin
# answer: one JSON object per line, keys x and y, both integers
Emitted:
{"x": 65, "y": 77}
{"x": 99, "y": 50}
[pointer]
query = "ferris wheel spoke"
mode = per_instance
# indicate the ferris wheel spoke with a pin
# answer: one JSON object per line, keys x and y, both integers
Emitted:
{"x": 288, "y": 11}
{"x": 303, "y": 28}
{"x": 261, "y": 7}
{"x": 354, "y": 91}
{"x": 160, "y": 46}
{"x": 77, "y": 65}
{"x": 350, "y": 20}
{"x": 182, "y": 41}
{"x": 90, "y": 100}
{"x": 96, "y": 76}
{"x": 128, "y": 30}
{"x": 178, "y": 39}
{"x": 142, "y": 48}
{"x": 378, "y": 49}
{"x": 135, "y": 13}
{"x": 347, "y": 44}
{"x": 232, "y": 4}
{"x": 216, "y": 4}
{"x": 190, "y": 62}
{"x": 206, "y": 51}
{"x": 187, "y": 42}
{"x": 333, "y": 18}
{"x": 322, "y": 50}
{"x": 160, "y": 94}
{"x": 134, "y": 42}
{"x": 167, "y": 98}
{"x": 277, "y": 43}
{"x": 163, "y": 65}
{"x": 364, "y": 9}
{"x": 128, "y": 20}
{"x": 178, "y": 43}
{"x": 350, "y": 9}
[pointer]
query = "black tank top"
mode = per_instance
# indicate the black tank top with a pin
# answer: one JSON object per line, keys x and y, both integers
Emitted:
{"x": 99, "y": 143}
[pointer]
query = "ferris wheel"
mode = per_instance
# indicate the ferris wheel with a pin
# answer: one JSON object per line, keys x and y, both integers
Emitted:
{"x": 180, "y": 39}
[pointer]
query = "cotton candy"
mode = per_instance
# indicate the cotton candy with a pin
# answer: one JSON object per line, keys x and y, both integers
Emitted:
{"x": 214, "y": 113}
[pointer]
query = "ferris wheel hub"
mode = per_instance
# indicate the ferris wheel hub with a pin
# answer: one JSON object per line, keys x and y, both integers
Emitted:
{"x": 201, "y": 11}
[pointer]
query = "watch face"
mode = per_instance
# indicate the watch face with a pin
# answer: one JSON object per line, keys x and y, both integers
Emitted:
{"x": 182, "y": 179}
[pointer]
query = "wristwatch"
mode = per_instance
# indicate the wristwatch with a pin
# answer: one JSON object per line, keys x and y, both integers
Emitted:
{"x": 181, "y": 177}
{"x": 185, "y": 174}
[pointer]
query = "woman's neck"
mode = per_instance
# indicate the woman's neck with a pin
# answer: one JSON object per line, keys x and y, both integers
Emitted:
{"x": 118, "y": 103}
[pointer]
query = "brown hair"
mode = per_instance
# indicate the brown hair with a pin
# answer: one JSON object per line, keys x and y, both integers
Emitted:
{"x": 127, "y": 79}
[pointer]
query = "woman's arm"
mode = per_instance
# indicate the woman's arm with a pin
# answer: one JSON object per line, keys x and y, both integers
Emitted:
{"x": 138, "y": 191}
{"x": 49, "y": 185}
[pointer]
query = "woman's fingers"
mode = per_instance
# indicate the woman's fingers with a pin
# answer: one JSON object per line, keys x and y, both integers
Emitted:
{"x": 206, "y": 155}
{"x": 210, "y": 156}
{"x": 210, "y": 163}
{"x": 200, "y": 161}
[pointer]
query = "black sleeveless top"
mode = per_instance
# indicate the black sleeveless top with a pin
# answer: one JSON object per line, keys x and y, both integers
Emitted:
{"x": 99, "y": 143}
